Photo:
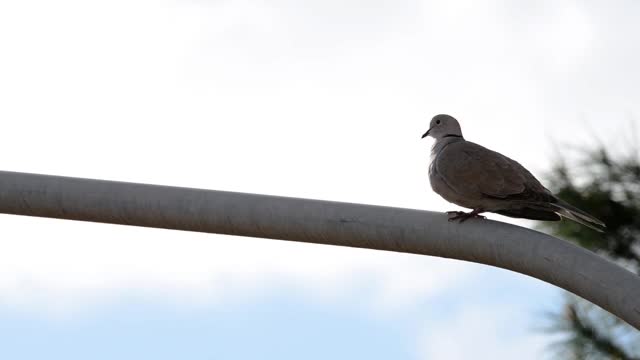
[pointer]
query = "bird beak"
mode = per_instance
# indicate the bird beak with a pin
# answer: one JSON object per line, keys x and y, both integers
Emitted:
{"x": 425, "y": 134}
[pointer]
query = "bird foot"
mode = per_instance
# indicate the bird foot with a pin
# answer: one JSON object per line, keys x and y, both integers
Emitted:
{"x": 463, "y": 216}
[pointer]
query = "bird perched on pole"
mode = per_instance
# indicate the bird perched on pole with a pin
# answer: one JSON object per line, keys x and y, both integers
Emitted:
{"x": 474, "y": 177}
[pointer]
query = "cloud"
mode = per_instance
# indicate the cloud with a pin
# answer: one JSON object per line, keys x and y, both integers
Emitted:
{"x": 484, "y": 332}
{"x": 315, "y": 99}
{"x": 63, "y": 266}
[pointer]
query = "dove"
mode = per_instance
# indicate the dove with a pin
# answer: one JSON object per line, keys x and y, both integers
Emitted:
{"x": 474, "y": 177}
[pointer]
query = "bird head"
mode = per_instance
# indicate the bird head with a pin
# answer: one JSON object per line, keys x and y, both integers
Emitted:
{"x": 443, "y": 126}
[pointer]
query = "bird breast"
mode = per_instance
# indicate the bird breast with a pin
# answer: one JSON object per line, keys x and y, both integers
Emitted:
{"x": 440, "y": 186}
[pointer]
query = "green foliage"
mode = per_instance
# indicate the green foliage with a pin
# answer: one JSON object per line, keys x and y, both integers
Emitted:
{"x": 607, "y": 187}
{"x": 592, "y": 334}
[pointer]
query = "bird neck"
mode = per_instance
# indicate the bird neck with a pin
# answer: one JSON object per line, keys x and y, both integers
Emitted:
{"x": 442, "y": 142}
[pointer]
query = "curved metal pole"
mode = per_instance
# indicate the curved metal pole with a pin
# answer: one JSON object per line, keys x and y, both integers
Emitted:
{"x": 324, "y": 222}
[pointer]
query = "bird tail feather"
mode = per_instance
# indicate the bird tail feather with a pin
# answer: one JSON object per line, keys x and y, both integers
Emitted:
{"x": 577, "y": 215}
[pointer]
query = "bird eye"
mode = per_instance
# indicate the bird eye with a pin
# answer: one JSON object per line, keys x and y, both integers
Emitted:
{"x": 438, "y": 122}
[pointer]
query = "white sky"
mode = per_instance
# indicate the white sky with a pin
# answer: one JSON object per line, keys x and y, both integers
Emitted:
{"x": 318, "y": 99}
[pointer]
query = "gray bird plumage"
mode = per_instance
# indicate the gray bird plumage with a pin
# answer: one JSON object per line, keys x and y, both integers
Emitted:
{"x": 472, "y": 176}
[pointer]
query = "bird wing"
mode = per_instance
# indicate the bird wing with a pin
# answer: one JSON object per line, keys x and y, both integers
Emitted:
{"x": 475, "y": 171}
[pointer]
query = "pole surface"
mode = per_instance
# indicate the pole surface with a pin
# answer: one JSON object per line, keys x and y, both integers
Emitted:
{"x": 324, "y": 222}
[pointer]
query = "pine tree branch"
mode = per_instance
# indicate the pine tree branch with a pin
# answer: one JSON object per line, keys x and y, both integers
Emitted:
{"x": 583, "y": 330}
